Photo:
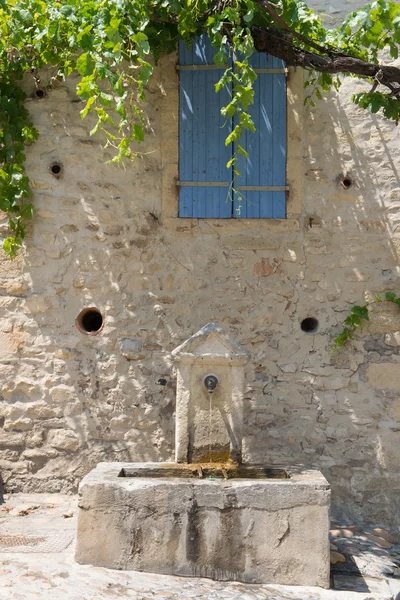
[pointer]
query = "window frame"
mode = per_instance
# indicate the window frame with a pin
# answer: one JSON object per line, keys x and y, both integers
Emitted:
{"x": 167, "y": 76}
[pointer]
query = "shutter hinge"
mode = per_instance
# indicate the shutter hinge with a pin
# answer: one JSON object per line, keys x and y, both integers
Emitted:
{"x": 202, "y": 183}
{"x": 263, "y": 188}
{"x": 271, "y": 70}
{"x": 199, "y": 67}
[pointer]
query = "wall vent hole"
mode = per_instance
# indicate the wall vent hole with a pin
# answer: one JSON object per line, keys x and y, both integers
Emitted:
{"x": 346, "y": 183}
{"x": 309, "y": 325}
{"x": 90, "y": 321}
{"x": 56, "y": 169}
{"x": 39, "y": 93}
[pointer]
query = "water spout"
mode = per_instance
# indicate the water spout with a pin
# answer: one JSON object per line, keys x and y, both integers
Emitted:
{"x": 211, "y": 382}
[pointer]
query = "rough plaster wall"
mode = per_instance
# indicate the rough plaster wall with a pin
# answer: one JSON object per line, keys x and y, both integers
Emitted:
{"x": 109, "y": 238}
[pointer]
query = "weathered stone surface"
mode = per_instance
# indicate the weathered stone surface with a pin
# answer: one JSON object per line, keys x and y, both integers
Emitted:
{"x": 336, "y": 557}
{"x": 384, "y": 376}
{"x": 22, "y": 424}
{"x": 131, "y": 348}
{"x": 11, "y": 440}
{"x": 393, "y": 339}
{"x": 63, "y": 439}
{"x": 94, "y": 241}
{"x": 380, "y": 541}
{"x": 386, "y": 535}
{"x": 180, "y": 526}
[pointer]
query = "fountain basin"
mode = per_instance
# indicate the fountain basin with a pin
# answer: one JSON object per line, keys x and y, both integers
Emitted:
{"x": 254, "y": 524}
{"x": 215, "y": 471}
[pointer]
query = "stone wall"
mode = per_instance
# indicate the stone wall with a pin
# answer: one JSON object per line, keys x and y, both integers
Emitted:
{"x": 111, "y": 239}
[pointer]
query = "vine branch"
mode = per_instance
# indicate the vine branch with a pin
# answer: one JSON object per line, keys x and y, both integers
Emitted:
{"x": 280, "y": 45}
{"x": 272, "y": 9}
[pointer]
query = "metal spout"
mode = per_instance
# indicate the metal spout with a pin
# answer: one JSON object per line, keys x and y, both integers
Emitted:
{"x": 211, "y": 382}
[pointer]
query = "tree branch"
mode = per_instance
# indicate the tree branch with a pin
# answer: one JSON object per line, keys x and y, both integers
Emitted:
{"x": 280, "y": 44}
{"x": 271, "y": 8}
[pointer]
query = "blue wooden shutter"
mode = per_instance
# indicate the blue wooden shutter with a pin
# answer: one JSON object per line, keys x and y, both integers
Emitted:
{"x": 202, "y": 151}
{"x": 205, "y": 182}
{"x": 260, "y": 189}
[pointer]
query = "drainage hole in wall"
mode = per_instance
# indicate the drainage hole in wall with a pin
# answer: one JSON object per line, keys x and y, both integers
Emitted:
{"x": 346, "y": 182}
{"x": 39, "y": 93}
{"x": 309, "y": 325}
{"x": 56, "y": 169}
{"x": 90, "y": 321}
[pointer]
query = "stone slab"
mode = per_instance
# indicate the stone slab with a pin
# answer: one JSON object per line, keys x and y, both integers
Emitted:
{"x": 255, "y": 531}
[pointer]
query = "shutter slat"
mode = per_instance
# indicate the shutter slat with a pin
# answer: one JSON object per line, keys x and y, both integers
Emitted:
{"x": 213, "y": 170}
{"x": 186, "y": 120}
{"x": 279, "y": 145}
{"x": 203, "y": 154}
{"x": 266, "y": 165}
{"x": 199, "y": 143}
{"x": 266, "y": 147}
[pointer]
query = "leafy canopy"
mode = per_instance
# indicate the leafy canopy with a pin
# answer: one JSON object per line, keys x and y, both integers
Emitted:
{"x": 110, "y": 42}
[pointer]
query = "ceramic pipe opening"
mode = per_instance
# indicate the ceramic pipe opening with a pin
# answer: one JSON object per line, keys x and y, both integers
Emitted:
{"x": 309, "y": 325}
{"x": 346, "y": 183}
{"x": 90, "y": 321}
{"x": 56, "y": 169}
{"x": 39, "y": 93}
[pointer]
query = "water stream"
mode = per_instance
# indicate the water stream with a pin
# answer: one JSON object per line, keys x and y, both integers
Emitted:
{"x": 209, "y": 432}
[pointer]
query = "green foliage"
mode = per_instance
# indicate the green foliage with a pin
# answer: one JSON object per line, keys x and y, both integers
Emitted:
{"x": 15, "y": 131}
{"x": 373, "y": 28}
{"x": 376, "y": 101}
{"x": 392, "y": 297}
{"x": 352, "y": 321}
{"x": 357, "y": 315}
{"x": 114, "y": 44}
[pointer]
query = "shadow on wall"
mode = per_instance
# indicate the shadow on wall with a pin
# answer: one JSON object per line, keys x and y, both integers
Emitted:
{"x": 357, "y": 412}
{"x": 2, "y": 501}
{"x": 72, "y": 400}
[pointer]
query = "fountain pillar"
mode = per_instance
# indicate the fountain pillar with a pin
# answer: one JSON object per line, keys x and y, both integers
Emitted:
{"x": 209, "y": 427}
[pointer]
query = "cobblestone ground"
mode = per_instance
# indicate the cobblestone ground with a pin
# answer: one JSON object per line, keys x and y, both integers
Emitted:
{"x": 37, "y": 535}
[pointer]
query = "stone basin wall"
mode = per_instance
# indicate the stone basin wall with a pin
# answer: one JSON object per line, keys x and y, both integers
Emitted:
{"x": 110, "y": 238}
{"x": 272, "y": 531}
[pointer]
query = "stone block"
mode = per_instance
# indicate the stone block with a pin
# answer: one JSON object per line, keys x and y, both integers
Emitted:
{"x": 20, "y": 424}
{"x": 122, "y": 422}
{"x": 63, "y": 439}
{"x": 11, "y": 440}
{"x": 131, "y": 348}
{"x": 384, "y": 376}
{"x": 392, "y": 339}
{"x": 62, "y": 394}
{"x": 41, "y": 410}
{"x": 40, "y": 453}
{"x": 395, "y": 409}
{"x": 385, "y": 318}
{"x": 271, "y": 531}
{"x": 356, "y": 275}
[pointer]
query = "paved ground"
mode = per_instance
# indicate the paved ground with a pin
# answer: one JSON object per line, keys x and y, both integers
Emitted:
{"x": 37, "y": 562}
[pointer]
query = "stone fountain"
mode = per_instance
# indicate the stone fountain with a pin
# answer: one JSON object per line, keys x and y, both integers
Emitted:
{"x": 207, "y": 514}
